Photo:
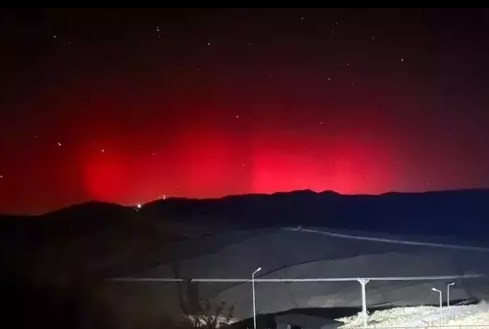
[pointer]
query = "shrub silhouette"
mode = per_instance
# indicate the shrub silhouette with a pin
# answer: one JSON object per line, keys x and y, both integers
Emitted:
{"x": 208, "y": 317}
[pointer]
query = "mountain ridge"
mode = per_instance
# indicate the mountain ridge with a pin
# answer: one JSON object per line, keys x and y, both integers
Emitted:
{"x": 460, "y": 212}
{"x": 93, "y": 203}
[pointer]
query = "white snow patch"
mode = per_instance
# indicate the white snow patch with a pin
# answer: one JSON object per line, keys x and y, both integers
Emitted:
{"x": 475, "y": 316}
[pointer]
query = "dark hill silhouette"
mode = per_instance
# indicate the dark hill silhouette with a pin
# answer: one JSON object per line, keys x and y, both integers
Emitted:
{"x": 99, "y": 236}
{"x": 95, "y": 240}
{"x": 462, "y": 213}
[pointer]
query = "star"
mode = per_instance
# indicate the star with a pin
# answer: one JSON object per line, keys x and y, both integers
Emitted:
{"x": 59, "y": 144}
{"x": 402, "y": 59}
{"x": 329, "y": 79}
{"x": 103, "y": 151}
{"x": 1, "y": 176}
{"x": 302, "y": 17}
{"x": 54, "y": 36}
{"x": 321, "y": 123}
{"x": 237, "y": 117}
{"x": 208, "y": 43}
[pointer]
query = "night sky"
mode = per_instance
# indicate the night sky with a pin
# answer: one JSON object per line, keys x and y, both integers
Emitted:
{"x": 129, "y": 106}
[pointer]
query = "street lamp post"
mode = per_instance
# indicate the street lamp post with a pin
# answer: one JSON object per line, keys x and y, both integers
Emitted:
{"x": 441, "y": 304}
{"x": 448, "y": 293}
{"x": 254, "y": 300}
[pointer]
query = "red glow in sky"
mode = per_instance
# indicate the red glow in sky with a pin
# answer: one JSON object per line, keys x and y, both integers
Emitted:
{"x": 105, "y": 175}
{"x": 222, "y": 102}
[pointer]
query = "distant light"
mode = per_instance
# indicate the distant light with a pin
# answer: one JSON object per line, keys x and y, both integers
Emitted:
{"x": 237, "y": 117}
{"x": 1, "y": 176}
{"x": 402, "y": 59}
{"x": 208, "y": 43}
{"x": 139, "y": 206}
{"x": 302, "y": 17}
{"x": 59, "y": 144}
{"x": 54, "y": 36}
{"x": 103, "y": 150}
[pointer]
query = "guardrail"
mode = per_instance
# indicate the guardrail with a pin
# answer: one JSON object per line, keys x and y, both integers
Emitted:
{"x": 363, "y": 282}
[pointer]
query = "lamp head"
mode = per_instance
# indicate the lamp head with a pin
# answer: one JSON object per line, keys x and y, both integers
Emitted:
{"x": 451, "y": 284}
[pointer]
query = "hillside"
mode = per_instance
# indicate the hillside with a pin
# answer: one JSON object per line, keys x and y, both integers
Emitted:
{"x": 432, "y": 213}
{"x": 229, "y": 237}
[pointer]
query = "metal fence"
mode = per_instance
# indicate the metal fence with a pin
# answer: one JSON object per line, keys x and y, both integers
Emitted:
{"x": 363, "y": 282}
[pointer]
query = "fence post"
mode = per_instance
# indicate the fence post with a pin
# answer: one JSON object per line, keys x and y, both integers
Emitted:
{"x": 363, "y": 283}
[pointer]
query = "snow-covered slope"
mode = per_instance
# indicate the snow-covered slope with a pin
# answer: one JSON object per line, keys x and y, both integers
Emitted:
{"x": 285, "y": 253}
{"x": 424, "y": 316}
